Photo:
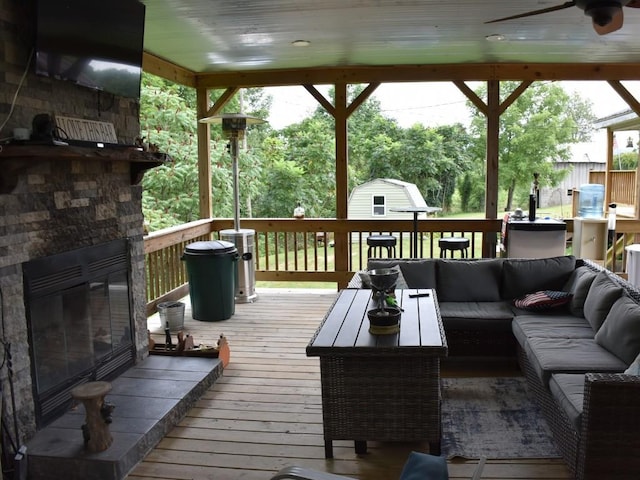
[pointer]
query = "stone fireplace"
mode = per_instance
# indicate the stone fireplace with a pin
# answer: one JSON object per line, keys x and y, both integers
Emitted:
{"x": 72, "y": 278}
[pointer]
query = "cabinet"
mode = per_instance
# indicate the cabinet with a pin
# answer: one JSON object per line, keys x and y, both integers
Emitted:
{"x": 590, "y": 238}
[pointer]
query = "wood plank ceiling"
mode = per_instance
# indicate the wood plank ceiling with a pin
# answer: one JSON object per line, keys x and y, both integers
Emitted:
{"x": 251, "y": 42}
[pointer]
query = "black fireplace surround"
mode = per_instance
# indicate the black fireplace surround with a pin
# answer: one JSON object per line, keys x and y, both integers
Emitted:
{"x": 78, "y": 306}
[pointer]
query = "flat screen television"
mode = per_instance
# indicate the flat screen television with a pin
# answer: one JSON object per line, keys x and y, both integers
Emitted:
{"x": 96, "y": 44}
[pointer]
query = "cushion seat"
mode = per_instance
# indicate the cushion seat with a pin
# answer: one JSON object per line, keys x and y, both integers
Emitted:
{"x": 550, "y": 326}
{"x": 569, "y": 355}
{"x": 568, "y": 391}
{"x": 476, "y": 315}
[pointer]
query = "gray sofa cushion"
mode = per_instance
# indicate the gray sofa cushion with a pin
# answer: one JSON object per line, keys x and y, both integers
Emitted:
{"x": 523, "y": 276}
{"x": 570, "y": 355}
{"x": 602, "y": 295}
{"x": 417, "y": 272}
{"x": 479, "y": 316}
{"x": 578, "y": 284}
{"x": 568, "y": 391}
{"x": 468, "y": 280}
{"x": 620, "y": 332}
{"x": 546, "y": 326}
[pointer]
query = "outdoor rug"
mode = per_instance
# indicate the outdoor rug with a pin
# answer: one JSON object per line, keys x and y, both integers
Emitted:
{"x": 493, "y": 418}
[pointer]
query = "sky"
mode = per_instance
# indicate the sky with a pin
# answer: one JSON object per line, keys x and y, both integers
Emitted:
{"x": 441, "y": 103}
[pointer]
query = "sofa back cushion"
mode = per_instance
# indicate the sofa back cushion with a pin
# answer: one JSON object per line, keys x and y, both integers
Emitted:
{"x": 522, "y": 276}
{"x": 602, "y": 295}
{"x": 417, "y": 272}
{"x": 468, "y": 280}
{"x": 620, "y": 332}
{"x": 578, "y": 285}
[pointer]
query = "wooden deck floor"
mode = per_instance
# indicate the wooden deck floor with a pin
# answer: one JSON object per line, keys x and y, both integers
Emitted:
{"x": 265, "y": 412}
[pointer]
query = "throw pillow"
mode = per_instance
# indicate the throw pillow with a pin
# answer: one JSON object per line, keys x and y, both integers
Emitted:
{"x": 422, "y": 466}
{"x": 634, "y": 368}
{"x": 579, "y": 284}
{"x": 543, "y": 300}
{"x": 620, "y": 332}
{"x": 602, "y": 294}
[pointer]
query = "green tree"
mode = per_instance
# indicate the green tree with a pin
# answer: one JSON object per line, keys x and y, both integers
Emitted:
{"x": 168, "y": 120}
{"x": 535, "y": 131}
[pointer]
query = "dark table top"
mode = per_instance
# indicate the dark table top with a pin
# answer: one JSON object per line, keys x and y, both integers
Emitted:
{"x": 345, "y": 329}
{"x": 416, "y": 209}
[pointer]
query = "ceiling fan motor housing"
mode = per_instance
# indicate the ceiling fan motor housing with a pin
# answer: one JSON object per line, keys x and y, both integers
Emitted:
{"x": 601, "y": 11}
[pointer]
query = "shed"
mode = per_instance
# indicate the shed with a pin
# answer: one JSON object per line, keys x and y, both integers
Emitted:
{"x": 377, "y": 198}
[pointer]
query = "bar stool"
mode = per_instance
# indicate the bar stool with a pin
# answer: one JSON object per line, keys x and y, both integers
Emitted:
{"x": 379, "y": 242}
{"x": 451, "y": 244}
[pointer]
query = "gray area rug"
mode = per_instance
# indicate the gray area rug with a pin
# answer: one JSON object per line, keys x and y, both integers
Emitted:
{"x": 493, "y": 418}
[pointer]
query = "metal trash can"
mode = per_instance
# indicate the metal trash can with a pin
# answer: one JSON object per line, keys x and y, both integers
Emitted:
{"x": 633, "y": 264}
{"x": 212, "y": 270}
{"x": 172, "y": 315}
{"x": 243, "y": 239}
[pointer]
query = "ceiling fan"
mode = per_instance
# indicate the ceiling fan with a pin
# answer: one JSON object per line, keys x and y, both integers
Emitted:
{"x": 606, "y": 15}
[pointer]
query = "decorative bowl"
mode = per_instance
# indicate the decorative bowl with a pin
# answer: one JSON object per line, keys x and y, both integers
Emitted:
{"x": 382, "y": 322}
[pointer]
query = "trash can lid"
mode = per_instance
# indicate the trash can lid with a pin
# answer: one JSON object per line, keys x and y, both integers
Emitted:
{"x": 213, "y": 247}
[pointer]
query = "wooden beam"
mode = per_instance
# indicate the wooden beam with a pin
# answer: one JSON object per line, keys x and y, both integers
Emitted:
{"x": 420, "y": 73}
{"x": 626, "y": 95}
{"x": 172, "y": 72}
{"x": 366, "y": 93}
{"x": 321, "y": 99}
{"x": 471, "y": 95}
{"x": 222, "y": 101}
{"x": 341, "y": 116}
{"x": 514, "y": 95}
{"x": 491, "y": 181}
{"x": 204, "y": 154}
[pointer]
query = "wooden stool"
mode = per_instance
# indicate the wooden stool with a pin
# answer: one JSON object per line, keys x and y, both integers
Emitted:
{"x": 95, "y": 431}
{"x": 379, "y": 242}
{"x": 452, "y": 244}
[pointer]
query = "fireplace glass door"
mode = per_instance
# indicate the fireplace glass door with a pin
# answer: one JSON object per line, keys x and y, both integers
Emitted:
{"x": 80, "y": 326}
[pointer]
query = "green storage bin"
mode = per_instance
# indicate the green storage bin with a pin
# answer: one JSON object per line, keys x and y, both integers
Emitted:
{"x": 212, "y": 268}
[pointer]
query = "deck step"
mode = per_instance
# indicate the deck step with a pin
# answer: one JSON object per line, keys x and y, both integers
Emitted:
{"x": 150, "y": 399}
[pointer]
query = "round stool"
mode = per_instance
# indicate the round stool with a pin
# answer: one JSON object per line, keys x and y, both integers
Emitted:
{"x": 379, "y": 242}
{"x": 452, "y": 244}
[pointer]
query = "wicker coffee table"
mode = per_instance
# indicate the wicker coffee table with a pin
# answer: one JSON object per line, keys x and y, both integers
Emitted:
{"x": 380, "y": 387}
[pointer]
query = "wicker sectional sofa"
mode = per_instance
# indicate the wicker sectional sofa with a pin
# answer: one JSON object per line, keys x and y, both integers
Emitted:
{"x": 579, "y": 350}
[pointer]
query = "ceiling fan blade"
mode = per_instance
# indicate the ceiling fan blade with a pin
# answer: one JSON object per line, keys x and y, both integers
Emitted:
{"x": 536, "y": 12}
{"x": 615, "y": 24}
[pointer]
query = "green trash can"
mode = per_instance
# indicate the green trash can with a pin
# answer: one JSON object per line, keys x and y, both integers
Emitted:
{"x": 212, "y": 268}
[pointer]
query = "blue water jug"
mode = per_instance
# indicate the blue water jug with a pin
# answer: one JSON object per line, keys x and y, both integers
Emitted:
{"x": 591, "y": 203}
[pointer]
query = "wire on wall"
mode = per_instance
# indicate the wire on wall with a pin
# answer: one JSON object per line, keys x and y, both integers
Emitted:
{"x": 15, "y": 96}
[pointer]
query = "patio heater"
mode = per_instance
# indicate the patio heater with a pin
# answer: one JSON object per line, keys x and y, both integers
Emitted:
{"x": 233, "y": 127}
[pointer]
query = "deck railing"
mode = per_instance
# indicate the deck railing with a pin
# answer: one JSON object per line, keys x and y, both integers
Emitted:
{"x": 317, "y": 250}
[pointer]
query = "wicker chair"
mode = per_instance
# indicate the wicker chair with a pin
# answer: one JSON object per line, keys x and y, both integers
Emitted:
{"x": 301, "y": 473}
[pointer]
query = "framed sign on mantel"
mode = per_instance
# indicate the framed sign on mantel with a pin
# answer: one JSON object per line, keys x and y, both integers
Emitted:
{"x": 69, "y": 128}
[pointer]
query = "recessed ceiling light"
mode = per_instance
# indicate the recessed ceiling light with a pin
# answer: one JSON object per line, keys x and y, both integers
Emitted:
{"x": 496, "y": 37}
{"x": 301, "y": 43}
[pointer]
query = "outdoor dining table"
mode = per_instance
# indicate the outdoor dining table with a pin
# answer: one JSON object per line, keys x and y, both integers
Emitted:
{"x": 384, "y": 388}
{"x": 415, "y": 211}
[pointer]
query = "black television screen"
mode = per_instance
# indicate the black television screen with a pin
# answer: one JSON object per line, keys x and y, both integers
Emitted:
{"x": 97, "y": 44}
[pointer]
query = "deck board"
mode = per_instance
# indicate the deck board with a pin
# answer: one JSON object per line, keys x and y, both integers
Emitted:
{"x": 266, "y": 413}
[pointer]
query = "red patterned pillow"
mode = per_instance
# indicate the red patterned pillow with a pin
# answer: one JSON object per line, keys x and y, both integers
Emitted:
{"x": 543, "y": 300}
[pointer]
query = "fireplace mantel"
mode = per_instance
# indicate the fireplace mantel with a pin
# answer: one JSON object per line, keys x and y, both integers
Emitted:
{"x": 16, "y": 158}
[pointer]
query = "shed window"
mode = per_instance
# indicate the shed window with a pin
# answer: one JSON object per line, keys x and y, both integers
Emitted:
{"x": 379, "y": 207}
